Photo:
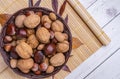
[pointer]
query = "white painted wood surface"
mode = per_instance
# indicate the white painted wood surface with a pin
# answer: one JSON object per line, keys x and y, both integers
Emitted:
{"x": 104, "y": 64}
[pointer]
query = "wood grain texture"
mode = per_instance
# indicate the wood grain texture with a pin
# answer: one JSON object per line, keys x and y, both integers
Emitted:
{"x": 78, "y": 28}
{"x": 92, "y": 63}
{"x": 104, "y": 10}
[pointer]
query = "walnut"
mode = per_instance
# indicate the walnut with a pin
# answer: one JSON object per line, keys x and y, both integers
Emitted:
{"x": 66, "y": 36}
{"x": 57, "y": 26}
{"x": 32, "y": 41}
{"x": 21, "y": 40}
{"x": 59, "y": 36}
{"x": 24, "y": 50}
{"x": 13, "y": 63}
{"x": 50, "y": 69}
{"x": 30, "y": 32}
{"x": 43, "y": 35}
{"x": 19, "y": 21}
{"x": 62, "y": 47}
{"x": 32, "y": 21}
{"x": 45, "y": 18}
{"x": 57, "y": 60}
{"x": 25, "y": 64}
{"x": 52, "y": 16}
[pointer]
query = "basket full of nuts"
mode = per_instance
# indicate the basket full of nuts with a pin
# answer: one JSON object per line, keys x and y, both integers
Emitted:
{"x": 36, "y": 42}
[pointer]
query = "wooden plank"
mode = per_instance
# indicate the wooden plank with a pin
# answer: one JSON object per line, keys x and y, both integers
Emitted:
{"x": 109, "y": 69}
{"x": 87, "y": 3}
{"x": 96, "y": 59}
{"x": 104, "y": 10}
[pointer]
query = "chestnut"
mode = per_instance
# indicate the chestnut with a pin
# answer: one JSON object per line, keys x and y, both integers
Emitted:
{"x": 50, "y": 49}
{"x": 13, "y": 53}
{"x": 38, "y": 57}
{"x": 21, "y": 33}
{"x": 10, "y": 29}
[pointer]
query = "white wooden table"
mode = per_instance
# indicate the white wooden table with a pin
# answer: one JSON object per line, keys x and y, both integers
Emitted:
{"x": 104, "y": 64}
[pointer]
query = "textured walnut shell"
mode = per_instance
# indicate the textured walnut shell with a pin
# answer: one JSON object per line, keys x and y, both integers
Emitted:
{"x": 62, "y": 47}
{"x": 19, "y": 21}
{"x": 43, "y": 35}
{"x": 24, "y": 50}
{"x": 25, "y": 64}
{"x": 57, "y": 26}
{"x": 57, "y": 60}
{"x": 32, "y": 21}
{"x": 59, "y": 36}
{"x": 45, "y": 18}
{"x": 32, "y": 41}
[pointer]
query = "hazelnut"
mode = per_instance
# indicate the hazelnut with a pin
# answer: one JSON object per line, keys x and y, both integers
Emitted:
{"x": 59, "y": 36}
{"x": 30, "y": 32}
{"x": 25, "y": 64}
{"x": 32, "y": 41}
{"x": 19, "y": 21}
{"x": 35, "y": 67}
{"x": 24, "y": 50}
{"x": 66, "y": 36}
{"x": 41, "y": 47}
{"x": 43, "y": 66}
{"x": 62, "y": 47}
{"x": 50, "y": 69}
{"x": 7, "y": 39}
{"x": 52, "y": 16}
{"x": 32, "y": 21}
{"x": 57, "y": 26}
{"x": 43, "y": 35}
{"x": 57, "y": 60}
{"x": 7, "y": 47}
{"x": 45, "y": 18}
{"x": 47, "y": 25}
{"x": 50, "y": 49}
{"x": 13, "y": 63}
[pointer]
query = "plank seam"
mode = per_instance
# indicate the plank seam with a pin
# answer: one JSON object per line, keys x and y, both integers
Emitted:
{"x": 111, "y": 20}
{"x": 101, "y": 63}
{"x": 91, "y": 4}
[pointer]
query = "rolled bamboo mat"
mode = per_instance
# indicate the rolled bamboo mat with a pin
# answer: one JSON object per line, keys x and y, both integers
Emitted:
{"x": 94, "y": 27}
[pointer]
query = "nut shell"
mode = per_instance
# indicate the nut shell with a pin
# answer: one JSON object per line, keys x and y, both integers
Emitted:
{"x": 24, "y": 50}
{"x": 45, "y": 18}
{"x": 52, "y": 16}
{"x": 59, "y": 36}
{"x": 25, "y": 64}
{"x": 50, "y": 69}
{"x": 62, "y": 47}
{"x": 57, "y": 26}
{"x": 19, "y": 21}
{"x": 43, "y": 35}
{"x": 57, "y": 60}
{"x": 32, "y": 21}
{"x": 13, "y": 63}
{"x": 32, "y": 41}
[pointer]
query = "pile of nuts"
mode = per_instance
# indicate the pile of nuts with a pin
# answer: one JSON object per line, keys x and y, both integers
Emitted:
{"x": 36, "y": 42}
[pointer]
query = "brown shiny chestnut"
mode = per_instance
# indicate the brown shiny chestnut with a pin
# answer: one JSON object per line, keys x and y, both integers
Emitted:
{"x": 38, "y": 57}
{"x": 50, "y": 49}
{"x": 10, "y": 29}
{"x": 13, "y": 53}
{"x": 21, "y": 33}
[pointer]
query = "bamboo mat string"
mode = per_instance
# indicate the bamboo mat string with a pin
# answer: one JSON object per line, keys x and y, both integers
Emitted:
{"x": 95, "y": 28}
